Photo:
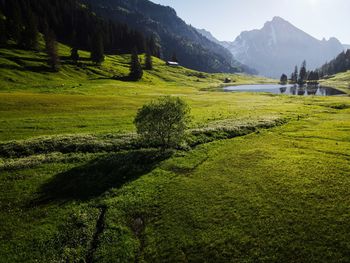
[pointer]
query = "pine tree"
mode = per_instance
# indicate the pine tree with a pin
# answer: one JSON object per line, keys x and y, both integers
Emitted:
{"x": 97, "y": 49}
{"x": 302, "y": 74}
{"x": 149, "y": 61}
{"x": 136, "y": 72}
{"x": 51, "y": 49}
{"x": 74, "y": 55}
{"x": 295, "y": 75}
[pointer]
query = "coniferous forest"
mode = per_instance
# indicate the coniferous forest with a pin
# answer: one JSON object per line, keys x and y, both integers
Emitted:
{"x": 340, "y": 64}
{"x": 72, "y": 23}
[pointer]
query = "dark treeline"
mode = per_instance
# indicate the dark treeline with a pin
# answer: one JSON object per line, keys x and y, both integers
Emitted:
{"x": 302, "y": 76}
{"x": 340, "y": 64}
{"x": 72, "y": 23}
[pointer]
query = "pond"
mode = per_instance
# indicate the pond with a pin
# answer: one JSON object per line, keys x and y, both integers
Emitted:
{"x": 314, "y": 90}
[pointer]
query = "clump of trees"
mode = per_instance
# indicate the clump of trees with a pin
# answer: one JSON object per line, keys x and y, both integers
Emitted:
{"x": 303, "y": 76}
{"x": 163, "y": 122}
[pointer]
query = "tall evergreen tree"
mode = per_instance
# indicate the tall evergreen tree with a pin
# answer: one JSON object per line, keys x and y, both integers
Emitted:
{"x": 136, "y": 72}
{"x": 295, "y": 75}
{"x": 51, "y": 49}
{"x": 97, "y": 49}
{"x": 148, "y": 61}
{"x": 302, "y": 74}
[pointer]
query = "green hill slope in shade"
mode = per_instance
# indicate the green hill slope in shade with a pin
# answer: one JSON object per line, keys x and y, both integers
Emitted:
{"x": 277, "y": 194}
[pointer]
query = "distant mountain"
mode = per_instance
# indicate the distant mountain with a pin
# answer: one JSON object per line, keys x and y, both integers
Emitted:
{"x": 346, "y": 47}
{"x": 208, "y": 35}
{"x": 192, "y": 49}
{"x": 279, "y": 46}
{"x": 226, "y": 45}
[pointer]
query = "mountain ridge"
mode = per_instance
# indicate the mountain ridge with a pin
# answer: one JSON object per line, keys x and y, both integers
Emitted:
{"x": 192, "y": 49}
{"x": 281, "y": 47}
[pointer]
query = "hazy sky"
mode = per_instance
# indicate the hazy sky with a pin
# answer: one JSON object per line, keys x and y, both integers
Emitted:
{"x": 226, "y": 19}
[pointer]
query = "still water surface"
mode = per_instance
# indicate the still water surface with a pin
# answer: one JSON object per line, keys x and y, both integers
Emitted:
{"x": 286, "y": 89}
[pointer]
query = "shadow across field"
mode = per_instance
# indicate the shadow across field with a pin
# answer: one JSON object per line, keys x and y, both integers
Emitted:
{"x": 98, "y": 176}
{"x": 38, "y": 69}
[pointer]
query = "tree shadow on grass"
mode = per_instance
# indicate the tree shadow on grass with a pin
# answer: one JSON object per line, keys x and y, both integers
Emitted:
{"x": 98, "y": 176}
{"x": 39, "y": 68}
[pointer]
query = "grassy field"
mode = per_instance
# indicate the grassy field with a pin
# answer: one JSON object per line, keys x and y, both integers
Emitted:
{"x": 266, "y": 178}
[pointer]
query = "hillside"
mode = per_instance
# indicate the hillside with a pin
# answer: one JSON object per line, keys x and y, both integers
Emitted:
{"x": 174, "y": 36}
{"x": 19, "y": 67}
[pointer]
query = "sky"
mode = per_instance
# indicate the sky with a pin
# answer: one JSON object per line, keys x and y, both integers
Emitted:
{"x": 226, "y": 19}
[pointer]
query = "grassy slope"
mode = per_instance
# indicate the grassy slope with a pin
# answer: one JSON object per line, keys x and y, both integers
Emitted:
{"x": 77, "y": 100}
{"x": 340, "y": 81}
{"x": 275, "y": 195}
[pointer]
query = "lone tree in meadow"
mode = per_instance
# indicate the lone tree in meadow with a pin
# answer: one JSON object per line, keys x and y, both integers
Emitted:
{"x": 136, "y": 72}
{"x": 163, "y": 122}
{"x": 97, "y": 50}
{"x": 51, "y": 49}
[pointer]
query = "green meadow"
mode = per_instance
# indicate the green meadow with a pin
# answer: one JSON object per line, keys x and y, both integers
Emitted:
{"x": 263, "y": 178}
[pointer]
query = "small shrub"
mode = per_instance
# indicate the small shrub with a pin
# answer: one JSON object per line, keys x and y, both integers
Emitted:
{"x": 163, "y": 122}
